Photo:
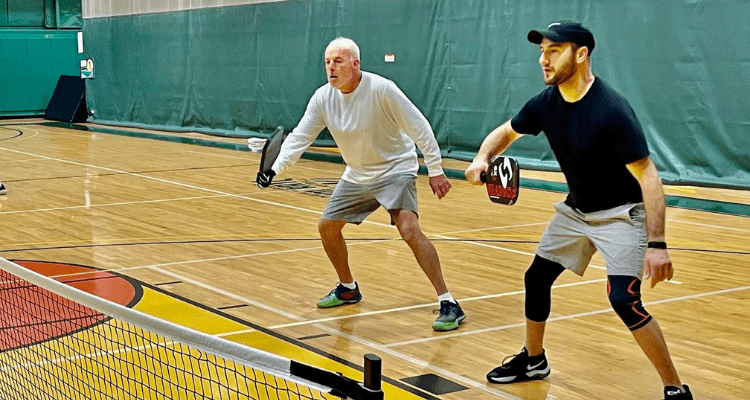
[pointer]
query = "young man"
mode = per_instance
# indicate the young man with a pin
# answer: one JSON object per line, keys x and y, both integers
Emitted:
{"x": 375, "y": 127}
{"x": 615, "y": 204}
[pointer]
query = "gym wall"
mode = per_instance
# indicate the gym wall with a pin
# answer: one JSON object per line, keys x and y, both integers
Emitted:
{"x": 228, "y": 69}
{"x": 38, "y": 43}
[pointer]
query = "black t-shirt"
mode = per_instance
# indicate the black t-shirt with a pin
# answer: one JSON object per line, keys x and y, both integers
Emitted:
{"x": 593, "y": 139}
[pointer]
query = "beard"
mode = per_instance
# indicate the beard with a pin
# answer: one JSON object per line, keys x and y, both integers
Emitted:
{"x": 561, "y": 74}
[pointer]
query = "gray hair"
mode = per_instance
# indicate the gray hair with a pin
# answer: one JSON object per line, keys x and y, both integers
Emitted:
{"x": 345, "y": 43}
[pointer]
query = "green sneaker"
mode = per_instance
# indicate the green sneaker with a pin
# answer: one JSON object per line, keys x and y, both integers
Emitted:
{"x": 451, "y": 316}
{"x": 340, "y": 295}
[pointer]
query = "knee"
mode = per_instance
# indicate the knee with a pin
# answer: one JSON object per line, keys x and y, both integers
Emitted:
{"x": 624, "y": 294}
{"x": 328, "y": 228}
{"x": 411, "y": 235}
{"x": 538, "y": 281}
{"x": 541, "y": 275}
{"x": 409, "y": 229}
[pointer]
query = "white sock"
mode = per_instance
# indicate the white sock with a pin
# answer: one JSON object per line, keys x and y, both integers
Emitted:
{"x": 350, "y": 285}
{"x": 446, "y": 296}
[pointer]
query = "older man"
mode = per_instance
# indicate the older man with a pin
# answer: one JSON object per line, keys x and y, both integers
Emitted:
{"x": 375, "y": 127}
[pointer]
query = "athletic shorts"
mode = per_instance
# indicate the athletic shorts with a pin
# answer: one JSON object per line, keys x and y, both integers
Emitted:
{"x": 619, "y": 234}
{"x": 353, "y": 202}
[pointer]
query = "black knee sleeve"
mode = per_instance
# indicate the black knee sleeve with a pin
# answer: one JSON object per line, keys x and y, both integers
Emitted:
{"x": 538, "y": 281}
{"x": 624, "y": 294}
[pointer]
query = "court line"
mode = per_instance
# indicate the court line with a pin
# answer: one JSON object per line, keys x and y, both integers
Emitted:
{"x": 125, "y": 203}
{"x": 491, "y": 246}
{"x": 729, "y": 228}
{"x": 364, "y": 342}
{"x": 166, "y": 181}
{"x": 675, "y": 282}
{"x": 334, "y": 331}
{"x": 495, "y": 228}
{"x": 432, "y": 304}
{"x": 565, "y": 317}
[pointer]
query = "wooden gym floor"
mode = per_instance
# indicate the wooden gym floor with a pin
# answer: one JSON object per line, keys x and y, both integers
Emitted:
{"x": 227, "y": 258}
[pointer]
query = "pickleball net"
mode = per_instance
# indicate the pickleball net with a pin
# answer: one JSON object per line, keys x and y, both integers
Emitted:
{"x": 58, "y": 342}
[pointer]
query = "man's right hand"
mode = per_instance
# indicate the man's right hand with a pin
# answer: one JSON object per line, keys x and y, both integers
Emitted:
{"x": 264, "y": 178}
{"x": 474, "y": 172}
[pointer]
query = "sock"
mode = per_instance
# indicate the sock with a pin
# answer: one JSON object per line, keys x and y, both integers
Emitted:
{"x": 447, "y": 296}
{"x": 673, "y": 388}
{"x": 350, "y": 285}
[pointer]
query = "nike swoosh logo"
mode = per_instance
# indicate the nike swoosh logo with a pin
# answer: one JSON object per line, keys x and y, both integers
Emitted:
{"x": 530, "y": 367}
{"x": 671, "y": 393}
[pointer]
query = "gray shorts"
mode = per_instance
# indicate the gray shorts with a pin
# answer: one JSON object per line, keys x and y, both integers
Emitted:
{"x": 572, "y": 238}
{"x": 352, "y": 203}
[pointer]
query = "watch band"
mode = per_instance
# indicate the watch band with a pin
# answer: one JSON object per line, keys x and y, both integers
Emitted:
{"x": 657, "y": 245}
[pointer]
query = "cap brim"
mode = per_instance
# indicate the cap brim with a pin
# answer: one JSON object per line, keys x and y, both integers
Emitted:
{"x": 536, "y": 37}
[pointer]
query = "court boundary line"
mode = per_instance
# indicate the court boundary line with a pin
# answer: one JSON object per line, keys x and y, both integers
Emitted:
{"x": 572, "y": 316}
{"x": 677, "y": 201}
{"x": 354, "y": 338}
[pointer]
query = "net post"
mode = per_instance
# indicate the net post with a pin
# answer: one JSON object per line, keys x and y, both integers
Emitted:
{"x": 372, "y": 373}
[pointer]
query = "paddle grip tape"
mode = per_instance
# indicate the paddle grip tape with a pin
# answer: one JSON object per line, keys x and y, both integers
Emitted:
{"x": 624, "y": 294}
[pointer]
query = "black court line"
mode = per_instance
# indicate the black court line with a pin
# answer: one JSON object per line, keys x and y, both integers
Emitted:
{"x": 691, "y": 203}
{"x": 314, "y": 336}
{"x": 139, "y": 285}
{"x": 132, "y": 172}
{"x": 232, "y": 307}
{"x": 295, "y": 342}
{"x": 18, "y": 133}
{"x": 269, "y": 240}
{"x": 96, "y": 316}
{"x": 167, "y": 283}
{"x": 136, "y": 298}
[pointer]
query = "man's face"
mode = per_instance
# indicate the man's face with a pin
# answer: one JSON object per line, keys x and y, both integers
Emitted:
{"x": 341, "y": 69}
{"x": 558, "y": 61}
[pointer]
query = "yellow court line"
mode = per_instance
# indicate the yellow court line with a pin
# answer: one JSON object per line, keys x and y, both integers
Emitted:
{"x": 169, "y": 308}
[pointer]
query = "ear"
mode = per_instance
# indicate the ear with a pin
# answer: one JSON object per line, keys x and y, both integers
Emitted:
{"x": 581, "y": 54}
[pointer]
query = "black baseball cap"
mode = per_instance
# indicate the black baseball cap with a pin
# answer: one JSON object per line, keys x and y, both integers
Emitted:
{"x": 564, "y": 31}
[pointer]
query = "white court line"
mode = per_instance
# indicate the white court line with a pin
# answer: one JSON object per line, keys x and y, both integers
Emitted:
{"x": 364, "y": 342}
{"x": 157, "y": 267}
{"x": 300, "y": 164}
{"x": 125, "y": 203}
{"x": 455, "y": 377}
{"x": 565, "y": 317}
{"x": 492, "y": 228}
{"x": 166, "y": 181}
{"x": 492, "y": 246}
{"x": 675, "y": 282}
{"x": 728, "y": 228}
{"x": 463, "y": 301}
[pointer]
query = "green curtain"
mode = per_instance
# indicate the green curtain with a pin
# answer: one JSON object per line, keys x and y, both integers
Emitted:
{"x": 465, "y": 63}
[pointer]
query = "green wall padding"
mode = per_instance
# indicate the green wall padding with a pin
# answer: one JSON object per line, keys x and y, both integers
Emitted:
{"x": 63, "y": 14}
{"x": 465, "y": 63}
{"x": 41, "y": 13}
{"x": 31, "y": 62}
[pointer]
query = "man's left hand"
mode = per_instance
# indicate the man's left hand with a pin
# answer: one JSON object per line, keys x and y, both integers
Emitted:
{"x": 657, "y": 266}
{"x": 440, "y": 185}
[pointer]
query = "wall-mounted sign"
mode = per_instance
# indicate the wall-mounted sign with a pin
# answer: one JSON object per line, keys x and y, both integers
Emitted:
{"x": 87, "y": 69}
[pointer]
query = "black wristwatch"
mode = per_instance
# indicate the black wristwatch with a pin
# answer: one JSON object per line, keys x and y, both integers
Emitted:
{"x": 657, "y": 245}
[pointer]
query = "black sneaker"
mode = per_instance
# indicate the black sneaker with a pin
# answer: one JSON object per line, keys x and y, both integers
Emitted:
{"x": 451, "y": 316}
{"x": 339, "y": 296}
{"x": 3, "y": 190}
{"x": 520, "y": 368}
{"x": 674, "y": 393}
